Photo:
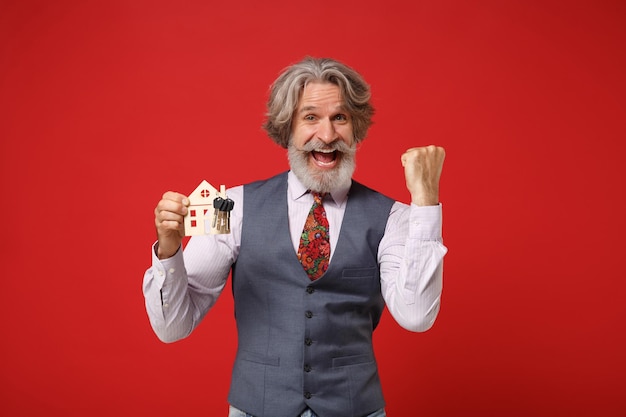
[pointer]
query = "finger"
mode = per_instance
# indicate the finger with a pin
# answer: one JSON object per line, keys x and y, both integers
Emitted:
{"x": 169, "y": 225}
{"x": 413, "y": 154}
{"x": 171, "y": 206}
{"x": 162, "y": 216}
{"x": 167, "y": 222}
{"x": 407, "y": 156}
{"x": 177, "y": 197}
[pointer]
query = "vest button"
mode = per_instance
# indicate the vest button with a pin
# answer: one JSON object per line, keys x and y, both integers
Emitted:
{"x": 307, "y": 395}
{"x": 307, "y": 368}
{"x": 308, "y": 314}
{"x": 308, "y": 341}
{"x": 310, "y": 289}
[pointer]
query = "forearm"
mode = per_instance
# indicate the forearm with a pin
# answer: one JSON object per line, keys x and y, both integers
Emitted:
{"x": 180, "y": 290}
{"x": 411, "y": 263}
{"x": 167, "y": 299}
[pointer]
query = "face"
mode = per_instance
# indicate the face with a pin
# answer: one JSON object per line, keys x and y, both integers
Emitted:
{"x": 322, "y": 147}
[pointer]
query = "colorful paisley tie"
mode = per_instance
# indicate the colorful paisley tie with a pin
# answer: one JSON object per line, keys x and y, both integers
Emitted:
{"x": 314, "y": 249}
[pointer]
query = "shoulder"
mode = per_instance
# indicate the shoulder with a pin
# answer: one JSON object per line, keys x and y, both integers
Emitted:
{"x": 266, "y": 192}
{"x": 362, "y": 191}
{"x": 276, "y": 180}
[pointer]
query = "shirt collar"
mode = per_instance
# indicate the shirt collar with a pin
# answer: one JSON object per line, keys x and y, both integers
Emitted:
{"x": 297, "y": 190}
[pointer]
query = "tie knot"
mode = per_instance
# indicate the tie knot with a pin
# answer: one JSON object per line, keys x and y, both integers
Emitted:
{"x": 318, "y": 197}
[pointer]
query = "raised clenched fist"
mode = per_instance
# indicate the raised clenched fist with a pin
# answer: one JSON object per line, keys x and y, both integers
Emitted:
{"x": 422, "y": 170}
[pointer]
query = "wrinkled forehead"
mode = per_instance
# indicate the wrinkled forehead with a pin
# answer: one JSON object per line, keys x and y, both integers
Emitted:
{"x": 320, "y": 93}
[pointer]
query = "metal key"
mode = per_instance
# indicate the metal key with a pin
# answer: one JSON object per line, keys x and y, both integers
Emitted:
{"x": 217, "y": 207}
{"x": 227, "y": 207}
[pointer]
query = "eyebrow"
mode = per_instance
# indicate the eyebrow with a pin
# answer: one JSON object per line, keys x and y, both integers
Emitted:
{"x": 305, "y": 109}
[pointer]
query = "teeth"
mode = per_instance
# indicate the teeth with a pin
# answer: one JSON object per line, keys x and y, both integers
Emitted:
{"x": 325, "y": 150}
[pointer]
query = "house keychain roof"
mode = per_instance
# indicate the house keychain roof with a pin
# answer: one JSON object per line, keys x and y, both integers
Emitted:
{"x": 198, "y": 220}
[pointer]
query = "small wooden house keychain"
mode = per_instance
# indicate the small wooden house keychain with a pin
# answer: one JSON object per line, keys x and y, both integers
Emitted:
{"x": 208, "y": 211}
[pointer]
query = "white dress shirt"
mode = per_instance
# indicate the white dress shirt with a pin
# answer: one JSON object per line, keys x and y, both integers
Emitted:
{"x": 180, "y": 290}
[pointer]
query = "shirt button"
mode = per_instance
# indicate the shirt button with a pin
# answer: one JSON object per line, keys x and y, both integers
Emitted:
{"x": 172, "y": 270}
{"x": 307, "y": 395}
{"x": 308, "y": 341}
{"x": 310, "y": 289}
{"x": 308, "y": 314}
{"x": 307, "y": 368}
{"x": 160, "y": 272}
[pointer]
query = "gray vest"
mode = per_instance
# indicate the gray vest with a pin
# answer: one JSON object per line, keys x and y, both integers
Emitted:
{"x": 303, "y": 343}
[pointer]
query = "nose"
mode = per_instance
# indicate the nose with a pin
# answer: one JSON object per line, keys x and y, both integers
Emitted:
{"x": 326, "y": 132}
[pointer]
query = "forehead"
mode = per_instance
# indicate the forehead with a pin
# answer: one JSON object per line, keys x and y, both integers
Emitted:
{"x": 319, "y": 94}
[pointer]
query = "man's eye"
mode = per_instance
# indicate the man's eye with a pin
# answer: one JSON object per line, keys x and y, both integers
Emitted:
{"x": 341, "y": 117}
{"x": 309, "y": 117}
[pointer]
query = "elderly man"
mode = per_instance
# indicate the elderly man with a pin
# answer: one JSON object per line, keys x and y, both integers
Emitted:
{"x": 314, "y": 255}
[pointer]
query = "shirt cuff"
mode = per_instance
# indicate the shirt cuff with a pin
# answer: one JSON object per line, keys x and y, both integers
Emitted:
{"x": 162, "y": 268}
{"x": 425, "y": 222}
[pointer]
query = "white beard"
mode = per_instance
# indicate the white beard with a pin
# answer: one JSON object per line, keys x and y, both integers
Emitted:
{"x": 323, "y": 181}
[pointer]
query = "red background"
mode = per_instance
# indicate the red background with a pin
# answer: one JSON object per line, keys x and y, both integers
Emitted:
{"x": 106, "y": 105}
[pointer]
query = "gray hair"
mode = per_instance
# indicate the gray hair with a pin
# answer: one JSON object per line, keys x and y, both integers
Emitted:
{"x": 286, "y": 91}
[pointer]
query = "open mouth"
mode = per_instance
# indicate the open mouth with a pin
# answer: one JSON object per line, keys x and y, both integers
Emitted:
{"x": 324, "y": 157}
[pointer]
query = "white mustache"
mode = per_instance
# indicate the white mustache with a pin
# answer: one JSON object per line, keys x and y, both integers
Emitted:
{"x": 317, "y": 144}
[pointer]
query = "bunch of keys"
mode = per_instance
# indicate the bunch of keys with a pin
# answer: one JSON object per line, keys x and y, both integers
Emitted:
{"x": 221, "y": 214}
